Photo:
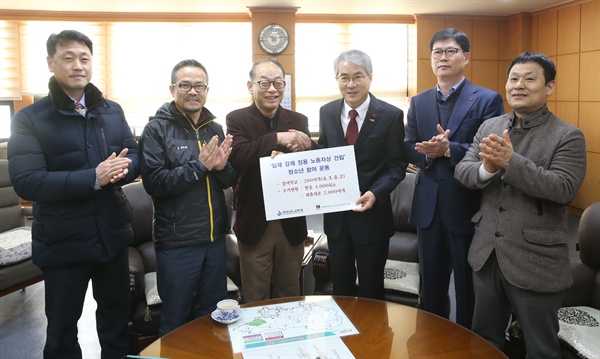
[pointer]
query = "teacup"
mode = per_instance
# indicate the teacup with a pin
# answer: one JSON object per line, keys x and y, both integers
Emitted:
{"x": 228, "y": 308}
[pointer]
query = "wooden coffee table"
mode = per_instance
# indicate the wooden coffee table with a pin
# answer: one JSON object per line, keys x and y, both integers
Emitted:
{"x": 387, "y": 330}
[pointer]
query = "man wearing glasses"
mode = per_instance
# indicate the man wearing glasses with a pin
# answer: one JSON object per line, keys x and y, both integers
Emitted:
{"x": 183, "y": 161}
{"x": 359, "y": 240}
{"x": 270, "y": 252}
{"x": 441, "y": 123}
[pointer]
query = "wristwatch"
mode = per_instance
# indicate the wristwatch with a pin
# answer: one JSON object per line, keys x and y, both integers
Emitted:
{"x": 447, "y": 153}
{"x": 274, "y": 39}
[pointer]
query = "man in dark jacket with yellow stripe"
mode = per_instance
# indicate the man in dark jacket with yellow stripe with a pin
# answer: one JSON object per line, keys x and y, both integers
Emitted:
{"x": 183, "y": 160}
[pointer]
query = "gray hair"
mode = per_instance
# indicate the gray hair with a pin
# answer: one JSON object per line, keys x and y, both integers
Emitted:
{"x": 354, "y": 57}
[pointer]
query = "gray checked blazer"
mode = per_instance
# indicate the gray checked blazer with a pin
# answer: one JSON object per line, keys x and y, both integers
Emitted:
{"x": 522, "y": 215}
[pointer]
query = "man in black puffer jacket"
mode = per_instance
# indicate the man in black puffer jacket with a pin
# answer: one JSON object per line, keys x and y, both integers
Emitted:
{"x": 70, "y": 153}
{"x": 183, "y": 160}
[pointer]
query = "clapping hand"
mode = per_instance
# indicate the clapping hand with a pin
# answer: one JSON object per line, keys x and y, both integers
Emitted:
{"x": 114, "y": 168}
{"x": 214, "y": 156}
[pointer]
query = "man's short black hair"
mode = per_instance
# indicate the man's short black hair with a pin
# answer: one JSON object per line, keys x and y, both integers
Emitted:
{"x": 541, "y": 59}
{"x": 187, "y": 63}
{"x": 451, "y": 33}
{"x": 66, "y": 37}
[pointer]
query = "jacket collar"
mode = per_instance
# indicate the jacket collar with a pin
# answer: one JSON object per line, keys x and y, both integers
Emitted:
{"x": 93, "y": 96}
{"x": 169, "y": 111}
{"x": 535, "y": 119}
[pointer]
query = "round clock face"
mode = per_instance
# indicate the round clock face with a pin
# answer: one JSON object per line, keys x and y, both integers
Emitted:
{"x": 273, "y": 39}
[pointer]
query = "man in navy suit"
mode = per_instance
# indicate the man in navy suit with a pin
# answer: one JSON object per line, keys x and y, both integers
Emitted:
{"x": 440, "y": 127}
{"x": 358, "y": 240}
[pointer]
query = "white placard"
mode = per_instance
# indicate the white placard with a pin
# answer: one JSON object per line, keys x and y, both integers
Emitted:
{"x": 310, "y": 182}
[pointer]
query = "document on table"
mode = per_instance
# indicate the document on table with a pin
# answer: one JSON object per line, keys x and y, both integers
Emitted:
{"x": 275, "y": 325}
{"x": 309, "y": 182}
{"x": 322, "y": 348}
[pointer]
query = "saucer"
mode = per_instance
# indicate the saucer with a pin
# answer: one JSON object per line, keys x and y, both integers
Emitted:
{"x": 226, "y": 320}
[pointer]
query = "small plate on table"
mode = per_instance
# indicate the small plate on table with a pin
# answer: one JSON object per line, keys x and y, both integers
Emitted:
{"x": 226, "y": 319}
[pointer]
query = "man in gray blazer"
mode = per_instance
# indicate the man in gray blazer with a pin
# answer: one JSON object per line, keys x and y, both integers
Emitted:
{"x": 530, "y": 164}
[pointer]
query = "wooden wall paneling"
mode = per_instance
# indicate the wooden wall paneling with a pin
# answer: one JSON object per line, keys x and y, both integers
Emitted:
{"x": 485, "y": 73}
{"x": 463, "y": 24}
{"x": 589, "y": 78}
{"x": 547, "y": 32}
{"x": 425, "y": 77}
{"x": 589, "y": 123}
{"x": 502, "y": 77}
{"x": 426, "y": 27}
{"x": 533, "y": 33}
{"x": 589, "y": 193}
{"x": 509, "y": 44}
{"x": 567, "y": 77}
{"x": 590, "y": 26}
{"x": 525, "y": 35}
{"x": 484, "y": 42}
{"x": 469, "y": 69}
{"x": 569, "y": 24}
{"x": 552, "y": 106}
{"x": 568, "y": 112}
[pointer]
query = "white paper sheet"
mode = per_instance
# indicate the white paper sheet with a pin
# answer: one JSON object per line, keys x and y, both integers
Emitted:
{"x": 309, "y": 182}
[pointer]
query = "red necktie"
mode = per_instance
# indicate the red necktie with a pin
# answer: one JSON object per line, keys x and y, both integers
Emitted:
{"x": 352, "y": 131}
{"x": 79, "y": 106}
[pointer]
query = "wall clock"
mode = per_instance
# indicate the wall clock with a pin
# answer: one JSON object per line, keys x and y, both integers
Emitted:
{"x": 273, "y": 39}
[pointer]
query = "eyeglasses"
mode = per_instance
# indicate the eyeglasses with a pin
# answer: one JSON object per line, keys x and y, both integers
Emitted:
{"x": 450, "y": 52}
{"x": 345, "y": 80}
{"x": 187, "y": 87}
{"x": 264, "y": 84}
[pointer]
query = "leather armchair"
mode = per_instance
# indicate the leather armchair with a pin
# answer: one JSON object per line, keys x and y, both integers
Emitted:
{"x": 19, "y": 272}
{"x": 403, "y": 246}
{"x": 583, "y": 297}
{"x": 145, "y": 318}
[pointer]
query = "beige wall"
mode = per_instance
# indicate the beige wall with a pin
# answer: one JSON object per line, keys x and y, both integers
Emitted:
{"x": 569, "y": 35}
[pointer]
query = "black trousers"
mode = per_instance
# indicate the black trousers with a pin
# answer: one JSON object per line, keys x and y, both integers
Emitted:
{"x": 65, "y": 289}
{"x": 349, "y": 256}
{"x": 442, "y": 253}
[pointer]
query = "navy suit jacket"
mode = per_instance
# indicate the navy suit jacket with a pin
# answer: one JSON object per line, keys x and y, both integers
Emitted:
{"x": 381, "y": 164}
{"x": 435, "y": 185}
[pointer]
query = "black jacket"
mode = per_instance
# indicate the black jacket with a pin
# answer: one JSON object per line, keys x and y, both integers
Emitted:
{"x": 53, "y": 152}
{"x": 189, "y": 204}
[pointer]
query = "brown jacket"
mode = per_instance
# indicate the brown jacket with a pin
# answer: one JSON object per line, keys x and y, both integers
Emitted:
{"x": 252, "y": 140}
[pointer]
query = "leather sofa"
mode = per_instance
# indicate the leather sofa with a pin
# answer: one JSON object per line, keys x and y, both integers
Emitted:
{"x": 582, "y": 299}
{"x": 145, "y": 318}
{"x": 17, "y": 270}
{"x": 403, "y": 247}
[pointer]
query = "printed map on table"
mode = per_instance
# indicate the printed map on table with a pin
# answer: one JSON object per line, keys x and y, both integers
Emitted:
{"x": 283, "y": 323}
